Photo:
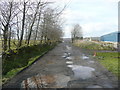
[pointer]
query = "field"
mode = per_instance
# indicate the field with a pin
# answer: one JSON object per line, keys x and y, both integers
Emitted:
{"x": 92, "y": 45}
{"x": 14, "y": 44}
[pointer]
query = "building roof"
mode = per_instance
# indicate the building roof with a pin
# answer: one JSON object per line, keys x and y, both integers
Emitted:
{"x": 111, "y": 33}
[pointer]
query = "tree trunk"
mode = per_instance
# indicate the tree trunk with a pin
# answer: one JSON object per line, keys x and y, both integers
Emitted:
{"x": 9, "y": 40}
{"x": 29, "y": 36}
{"x": 5, "y": 31}
{"x": 23, "y": 23}
{"x": 18, "y": 30}
{"x": 37, "y": 27}
{"x": 5, "y": 36}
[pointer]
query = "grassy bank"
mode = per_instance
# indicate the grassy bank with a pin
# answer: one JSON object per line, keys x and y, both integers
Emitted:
{"x": 18, "y": 59}
{"x": 0, "y": 46}
{"x": 109, "y": 60}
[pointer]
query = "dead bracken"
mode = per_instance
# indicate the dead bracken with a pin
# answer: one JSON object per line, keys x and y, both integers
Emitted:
{"x": 38, "y": 81}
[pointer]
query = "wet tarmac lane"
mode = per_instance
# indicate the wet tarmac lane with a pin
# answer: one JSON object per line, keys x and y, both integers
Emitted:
{"x": 64, "y": 67}
{"x": 82, "y": 73}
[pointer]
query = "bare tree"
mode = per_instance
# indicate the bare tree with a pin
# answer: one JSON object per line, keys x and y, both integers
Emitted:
{"x": 30, "y": 21}
{"x": 33, "y": 21}
{"x": 18, "y": 28}
{"x": 76, "y": 32}
{"x": 7, "y": 14}
{"x": 38, "y": 25}
{"x": 51, "y": 30}
{"x": 23, "y": 23}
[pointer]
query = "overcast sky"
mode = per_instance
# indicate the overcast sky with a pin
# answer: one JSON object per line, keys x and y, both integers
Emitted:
{"x": 96, "y": 17}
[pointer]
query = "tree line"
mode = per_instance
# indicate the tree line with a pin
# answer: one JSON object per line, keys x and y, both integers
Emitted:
{"x": 23, "y": 22}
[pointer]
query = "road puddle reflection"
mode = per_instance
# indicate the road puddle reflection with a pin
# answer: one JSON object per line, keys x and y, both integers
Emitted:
{"x": 82, "y": 72}
{"x": 69, "y": 58}
{"x": 94, "y": 86}
{"x": 69, "y": 62}
{"x": 66, "y": 54}
{"x": 68, "y": 47}
{"x": 63, "y": 56}
{"x": 70, "y": 66}
{"x": 85, "y": 57}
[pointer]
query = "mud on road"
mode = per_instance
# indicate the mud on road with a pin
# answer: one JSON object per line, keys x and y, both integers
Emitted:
{"x": 66, "y": 66}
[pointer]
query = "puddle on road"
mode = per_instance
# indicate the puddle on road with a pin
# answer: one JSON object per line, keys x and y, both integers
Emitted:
{"x": 85, "y": 57}
{"x": 70, "y": 66}
{"x": 66, "y": 54}
{"x": 69, "y": 54}
{"x": 63, "y": 56}
{"x": 69, "y": 58}
{"x": 68, "y": 47}
{"x": 94, "y": 86}
{"x": 69, "y": 62}
{"x": 82, "y": 72}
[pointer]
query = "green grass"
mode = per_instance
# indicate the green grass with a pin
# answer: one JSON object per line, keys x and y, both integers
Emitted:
{"x": 10, "y": 74}
{"x": 109, "y": 60}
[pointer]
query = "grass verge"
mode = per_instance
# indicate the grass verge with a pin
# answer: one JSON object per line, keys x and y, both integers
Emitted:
{"x": 109, "y": 60}
{"x": 21, "y": 59}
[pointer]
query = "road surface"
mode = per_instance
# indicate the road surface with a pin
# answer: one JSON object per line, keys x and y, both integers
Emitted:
{"x": 66, "y": 66}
